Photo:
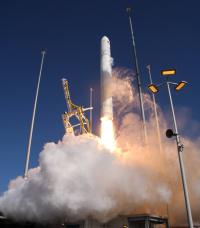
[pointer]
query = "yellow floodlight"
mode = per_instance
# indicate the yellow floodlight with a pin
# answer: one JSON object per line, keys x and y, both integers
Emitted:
{"x": 168, "y": 72}
{"x": 153, "y": 88}
{"x": 180, "y": 85}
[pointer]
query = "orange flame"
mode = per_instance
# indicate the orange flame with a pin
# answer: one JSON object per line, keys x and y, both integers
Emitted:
{"x": 107, "y": 134}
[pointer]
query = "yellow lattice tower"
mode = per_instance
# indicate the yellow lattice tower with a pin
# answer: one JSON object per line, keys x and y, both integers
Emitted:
{"x": 74, "y": 110}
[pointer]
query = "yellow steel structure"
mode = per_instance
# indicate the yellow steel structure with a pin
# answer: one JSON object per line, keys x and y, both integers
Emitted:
{"x": 74, "y": 111}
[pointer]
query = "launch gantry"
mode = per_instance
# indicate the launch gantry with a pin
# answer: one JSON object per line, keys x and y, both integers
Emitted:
{"x": 74, "y": 111}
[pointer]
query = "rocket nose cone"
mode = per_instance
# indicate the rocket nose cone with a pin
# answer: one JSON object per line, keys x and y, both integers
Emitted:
{"x": 105, "y": 46}
{"x": 105, "y": 38}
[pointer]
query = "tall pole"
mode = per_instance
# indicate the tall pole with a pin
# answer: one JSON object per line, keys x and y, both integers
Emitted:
{"x": 91, "y": 93}
{"x": 33, "y": 118}
{"x": 155, "y": 110}
{"x": 180, "y": 150}
{"x": 138, "y": 77}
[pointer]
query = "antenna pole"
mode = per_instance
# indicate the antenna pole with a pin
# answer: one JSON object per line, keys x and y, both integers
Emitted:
{"x": 155, "y": 110}
{"x": 91, "y": 105}
{"x": 138, "y": 77}
{"x": 33, "y": 118}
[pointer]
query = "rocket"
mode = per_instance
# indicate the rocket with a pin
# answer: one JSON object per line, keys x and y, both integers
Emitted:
{"x": 106, "y": 79}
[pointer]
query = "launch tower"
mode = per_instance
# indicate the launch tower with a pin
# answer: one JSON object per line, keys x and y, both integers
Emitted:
{"x": 74, "y": 111}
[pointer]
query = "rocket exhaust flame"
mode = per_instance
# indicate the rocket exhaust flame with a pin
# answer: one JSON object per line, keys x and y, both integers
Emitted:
{"x": 107, "y": 134}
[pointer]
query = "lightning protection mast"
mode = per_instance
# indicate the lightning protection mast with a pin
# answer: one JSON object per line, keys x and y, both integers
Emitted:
{"x": 91, "y": 105}
{"x": 33, "y": 117}
{"x": 138, "y": 77}
{"x": 155, "y": 110}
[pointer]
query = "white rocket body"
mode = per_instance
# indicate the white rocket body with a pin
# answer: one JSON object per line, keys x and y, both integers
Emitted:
{"x": 106, "y": 79}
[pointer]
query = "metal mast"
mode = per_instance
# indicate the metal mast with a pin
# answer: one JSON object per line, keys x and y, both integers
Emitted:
{"x": 33, "y": 117}
{"x": 155, "y": 110}
{"x": 182, "y": 168}
{"x": 138, "y": 77}
{"x": 91, "y": 105}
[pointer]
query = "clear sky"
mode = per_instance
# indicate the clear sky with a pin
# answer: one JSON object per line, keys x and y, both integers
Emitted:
{"x": 167, "y": 35}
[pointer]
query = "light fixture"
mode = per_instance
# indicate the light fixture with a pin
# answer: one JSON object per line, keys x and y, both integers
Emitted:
{"x": 153, "y": 88}
{"x": 180, "y": 85}
{"x": 168, "y": 72}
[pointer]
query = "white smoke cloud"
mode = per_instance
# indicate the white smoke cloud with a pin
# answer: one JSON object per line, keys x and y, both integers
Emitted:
{"x": 79, "y": 178}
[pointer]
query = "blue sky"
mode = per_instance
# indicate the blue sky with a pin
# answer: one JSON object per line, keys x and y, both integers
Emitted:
{"x": 167, "y": 35}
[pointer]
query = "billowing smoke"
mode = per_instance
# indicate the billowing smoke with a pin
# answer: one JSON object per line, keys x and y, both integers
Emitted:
{"x": 164, "y": 163}
{"x": 79, "y": 178}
